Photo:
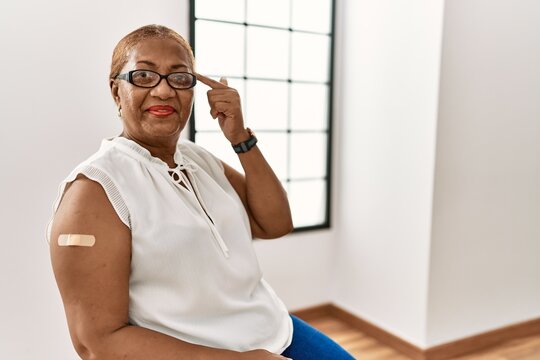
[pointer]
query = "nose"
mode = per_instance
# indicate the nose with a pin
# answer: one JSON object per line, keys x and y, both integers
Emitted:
{"x": 163, "y": 90}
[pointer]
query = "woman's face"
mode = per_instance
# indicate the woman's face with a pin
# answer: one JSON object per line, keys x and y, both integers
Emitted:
{"x": 141, "y": 121}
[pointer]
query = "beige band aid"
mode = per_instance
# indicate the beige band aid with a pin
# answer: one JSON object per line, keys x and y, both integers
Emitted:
{"x": 76, "y": 240}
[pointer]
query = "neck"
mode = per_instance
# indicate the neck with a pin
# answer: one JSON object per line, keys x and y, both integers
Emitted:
{"x": 162, "y": 149}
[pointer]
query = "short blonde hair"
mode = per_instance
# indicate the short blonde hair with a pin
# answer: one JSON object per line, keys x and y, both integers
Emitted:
{"x": 121, "y": 51}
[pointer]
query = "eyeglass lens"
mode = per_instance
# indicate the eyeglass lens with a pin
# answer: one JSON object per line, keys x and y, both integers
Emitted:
{"x": 147, "y": 78}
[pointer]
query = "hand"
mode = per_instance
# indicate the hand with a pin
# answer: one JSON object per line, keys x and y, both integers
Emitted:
{"x": 261, "y": 355}
{"x": 225, "y": 106}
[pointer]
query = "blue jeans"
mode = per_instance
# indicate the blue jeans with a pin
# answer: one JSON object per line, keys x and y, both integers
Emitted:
{"x": 309, "y": 343}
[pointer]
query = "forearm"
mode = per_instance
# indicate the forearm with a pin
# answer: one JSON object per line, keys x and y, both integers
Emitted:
{"x": 265, "y": 196}
{"x": 138, "y": 343}
{"x": 261, "y": 191}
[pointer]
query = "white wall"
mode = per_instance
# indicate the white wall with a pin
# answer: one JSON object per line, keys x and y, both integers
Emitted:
{"x": 299, "y": 267}
{"x": 437, "y": 268}
{"x": 390, "y": 72}
{"x": 485, "y": 268}
{"x": 56, "y": 108}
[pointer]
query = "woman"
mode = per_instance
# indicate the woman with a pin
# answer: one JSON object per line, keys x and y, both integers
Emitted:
{"x": 151, "y": 237}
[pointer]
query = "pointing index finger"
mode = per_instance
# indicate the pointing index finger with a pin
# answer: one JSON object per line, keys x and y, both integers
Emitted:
{"x": 210, "y": 82}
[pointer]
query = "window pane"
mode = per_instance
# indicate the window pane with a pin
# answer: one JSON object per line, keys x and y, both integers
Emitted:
{"x": 267, "y": 53}
{"x": 308, "y": 155}
{"x": 308, "y": 202}
{"x": 218, "y": 145}
{"x": 274, "y": 148}
{"x": 219, "y": 39}
{"x": 312, "y": 15}
{"x": 203, "y": 119}
{"x": 269, "y": 12}
{"x": 278, "y": 58}
{"x": 309, "y": 106}
{"x": 230, "y": 10}
{"x": 266, "y": 105}
{"x": 310, "y": 57}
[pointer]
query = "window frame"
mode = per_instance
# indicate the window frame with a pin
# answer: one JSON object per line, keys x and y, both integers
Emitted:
{"x": 326, "y": 224}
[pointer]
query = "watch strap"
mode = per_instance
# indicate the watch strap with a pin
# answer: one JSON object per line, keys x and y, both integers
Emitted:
{"x": 247, "y": 145}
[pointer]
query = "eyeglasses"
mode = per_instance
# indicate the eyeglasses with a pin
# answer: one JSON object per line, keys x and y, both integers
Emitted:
{"x": 150, "y": 79}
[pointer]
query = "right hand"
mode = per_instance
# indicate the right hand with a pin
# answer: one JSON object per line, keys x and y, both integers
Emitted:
{"x": 261, "y": 355}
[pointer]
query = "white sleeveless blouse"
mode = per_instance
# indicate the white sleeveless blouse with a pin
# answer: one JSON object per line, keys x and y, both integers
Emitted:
{"x": 194, "y": 272}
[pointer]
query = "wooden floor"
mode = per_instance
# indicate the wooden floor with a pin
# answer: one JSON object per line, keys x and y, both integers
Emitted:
{"x": 364, "y": 347}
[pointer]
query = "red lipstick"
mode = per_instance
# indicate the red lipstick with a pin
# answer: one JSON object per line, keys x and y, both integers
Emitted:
{"x": 161, "y": 110}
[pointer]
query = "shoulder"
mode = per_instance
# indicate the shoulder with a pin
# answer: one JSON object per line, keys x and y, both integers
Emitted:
{"x": 110, "y": 166}
{"x": 201, "y": 156}
{"x": 85, "y": 205}
{"x": 188, "y": 146}
{"x": 104, "y": 162}
{"x": 91, "y": 189}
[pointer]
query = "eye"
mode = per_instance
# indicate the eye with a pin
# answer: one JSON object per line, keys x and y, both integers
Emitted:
{"x": 181, "y": 80}
{"x": 144, "y": 77}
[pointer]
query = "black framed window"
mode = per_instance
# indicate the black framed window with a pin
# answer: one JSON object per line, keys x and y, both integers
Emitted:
{"x": 278, "y": 54}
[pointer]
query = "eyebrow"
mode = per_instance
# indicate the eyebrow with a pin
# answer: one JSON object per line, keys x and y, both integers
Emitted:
{"x": 173, "y": 67}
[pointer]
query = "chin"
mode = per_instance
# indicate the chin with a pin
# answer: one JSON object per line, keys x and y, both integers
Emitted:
{"x": 165, "y": 131}
{"x": 163, "y": 128}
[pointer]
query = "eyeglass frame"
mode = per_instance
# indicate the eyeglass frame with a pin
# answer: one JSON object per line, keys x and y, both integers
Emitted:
{"x": 129, "y": 78}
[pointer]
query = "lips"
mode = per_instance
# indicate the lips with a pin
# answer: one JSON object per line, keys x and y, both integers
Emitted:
{"x": 161, "y": 110}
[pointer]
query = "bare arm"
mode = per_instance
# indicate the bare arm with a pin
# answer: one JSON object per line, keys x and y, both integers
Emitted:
{"x": 261, "y": 192}
{"x": 262, "y": 195}
{"x": 93, "y": 283}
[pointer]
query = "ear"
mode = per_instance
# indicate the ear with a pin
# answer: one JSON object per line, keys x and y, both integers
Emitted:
{"x": 114, "y": 91}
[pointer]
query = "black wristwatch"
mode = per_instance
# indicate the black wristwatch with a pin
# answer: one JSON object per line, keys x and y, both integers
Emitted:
{"x": 247, "y": 145}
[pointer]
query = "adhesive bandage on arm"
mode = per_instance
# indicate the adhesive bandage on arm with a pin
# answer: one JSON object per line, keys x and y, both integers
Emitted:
{"x": 76, "y": 240}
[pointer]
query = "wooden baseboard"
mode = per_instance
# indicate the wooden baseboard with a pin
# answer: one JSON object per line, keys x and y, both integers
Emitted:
{"x": 440, "y": 352}
{"x": 376, "y": 332}
{"x": 366, "y": 327}
{"x": 483, "y": 340}
{"x": 313, "y": 312}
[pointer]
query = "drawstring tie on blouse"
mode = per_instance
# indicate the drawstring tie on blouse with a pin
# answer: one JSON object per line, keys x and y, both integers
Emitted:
{"x": 180, "y": 177}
